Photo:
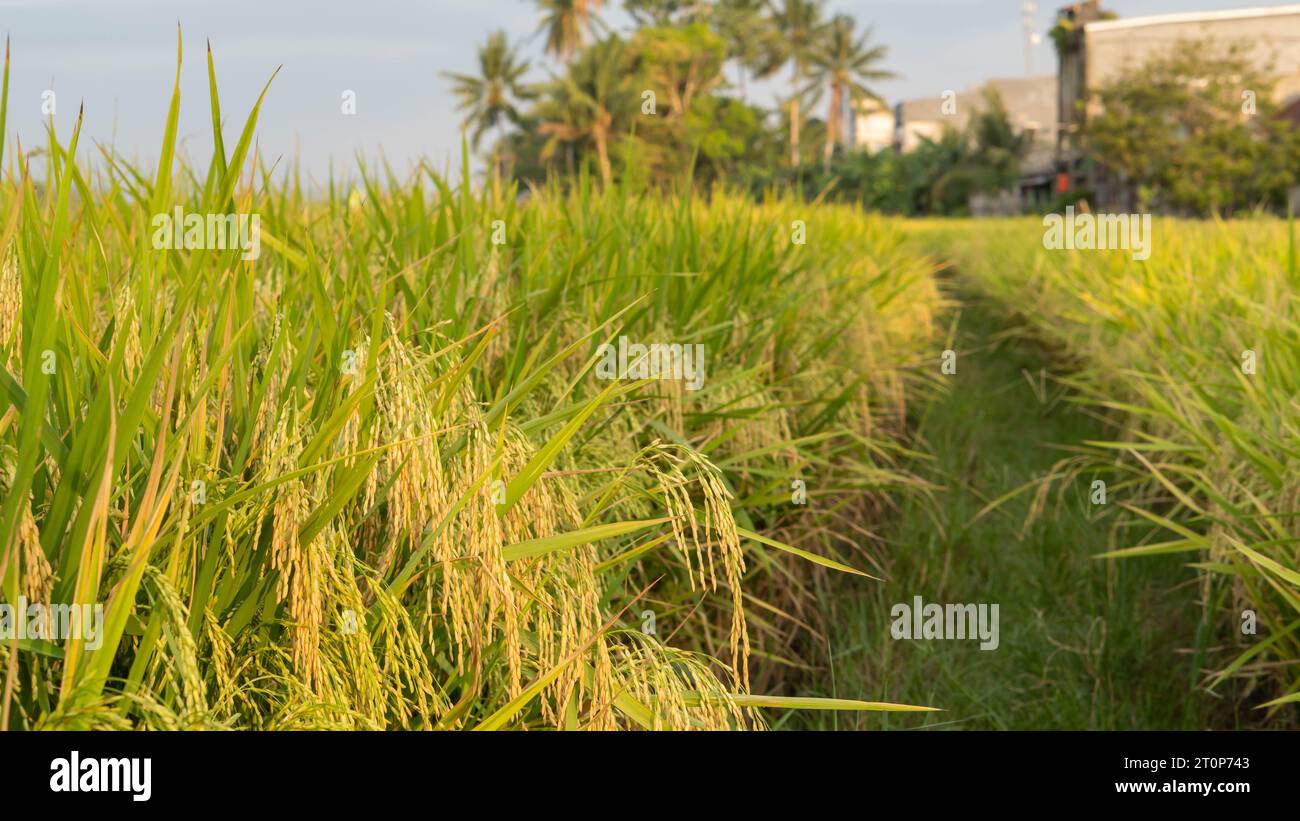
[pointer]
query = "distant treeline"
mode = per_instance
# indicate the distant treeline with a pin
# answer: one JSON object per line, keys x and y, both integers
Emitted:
{"x": 667, "y": 104}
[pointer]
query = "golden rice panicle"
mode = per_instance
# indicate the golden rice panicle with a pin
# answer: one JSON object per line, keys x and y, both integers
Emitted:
{"x": 599, "y": 690}
{"x": 478, "y": 597}
{"x": 475, "y": 586}
{"x": 348, "y": 440}
{"x": 104, "y": 712}
{"x": 756, "y": 416}
{"x": 263, "y": 426}
{"x": 410, "y": 467}
{"x": 298, "y": 564}
{"x": 183, "y": 649}
{"x": 565, "y": 611}
{"x": 127, "y": 328}
{"x": 376, "y": 659}
{"x": 410, "y": 684}
{"x": 699, "y": 542}
{"x": 678, "y": 687}
{"x": 220, "y": 654}
{"x": 554, "y": 598}
{"x": 289, "y": 704}
{"x": 11, "y": 312}
{"x": 534, "y": 516}
{"x": 37, "y": 575}
{"x": 557, "y": 597}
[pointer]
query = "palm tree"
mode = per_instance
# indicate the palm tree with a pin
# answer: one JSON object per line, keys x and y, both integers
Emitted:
{"x": 845, "y": 65}
{"x": 797, "y": 23}
{"x": 588, "y": 102}
{"x": 566, "y": 24}
{"x": 490, "y": 98}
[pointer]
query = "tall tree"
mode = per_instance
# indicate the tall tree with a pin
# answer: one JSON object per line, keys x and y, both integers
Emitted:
{"x": 797, "y": 23}
{"x": 489, "y": 99}
{"x": 1180, "y": 133}
{"x": 845, "y": 65}
{"x": 748, "y": 33}
{"x": 589, "y": 102}
{"x": 684, "y": 62}
{"x": 567, "y": 24}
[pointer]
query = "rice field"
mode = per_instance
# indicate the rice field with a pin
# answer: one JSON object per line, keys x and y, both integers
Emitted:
{"x": 377, "y": 473}
{"x": 415, "y": 451}
{"x": 1192, "y": 358}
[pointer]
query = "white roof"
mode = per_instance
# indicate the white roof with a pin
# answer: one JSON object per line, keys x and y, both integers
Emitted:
{"x": 1193, "y": 17}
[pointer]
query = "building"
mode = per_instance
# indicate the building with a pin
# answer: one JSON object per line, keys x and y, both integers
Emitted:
{"x": 1095, "y": 48}
{"x": 872, "y": 127}
{"x": 1031, "y": 104}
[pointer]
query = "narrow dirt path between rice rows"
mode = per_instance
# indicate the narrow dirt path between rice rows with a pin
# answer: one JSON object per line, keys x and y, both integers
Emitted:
{"x": 1082, "y": 643}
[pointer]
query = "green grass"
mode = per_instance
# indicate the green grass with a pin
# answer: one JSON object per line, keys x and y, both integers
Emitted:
{"x": 1204, "y": 446}
{"x": 1084, "y": 644}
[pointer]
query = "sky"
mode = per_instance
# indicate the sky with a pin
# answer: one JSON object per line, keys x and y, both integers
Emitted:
{"x": 118, "y": 58}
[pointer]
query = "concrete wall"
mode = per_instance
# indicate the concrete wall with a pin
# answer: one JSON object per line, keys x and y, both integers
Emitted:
{"x": 912, "y": 132}
{"x": 873, "y": 128}
{"x": 1272, "y": 34}
{"x": 1030, "y": 104}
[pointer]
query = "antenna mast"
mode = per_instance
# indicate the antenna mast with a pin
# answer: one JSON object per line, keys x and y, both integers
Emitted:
{"x": 1028, "y": 10}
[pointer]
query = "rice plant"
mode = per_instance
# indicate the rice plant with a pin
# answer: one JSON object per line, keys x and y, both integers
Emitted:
{"x": 1194, "y": 355}
{"x": 370, "y": 475}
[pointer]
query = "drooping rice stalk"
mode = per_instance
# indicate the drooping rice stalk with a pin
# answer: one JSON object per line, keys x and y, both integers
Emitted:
{"x": 372, "y": 479}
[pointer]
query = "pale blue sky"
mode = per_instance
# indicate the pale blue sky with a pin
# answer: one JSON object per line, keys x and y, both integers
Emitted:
{"x": 118, "y": 56}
